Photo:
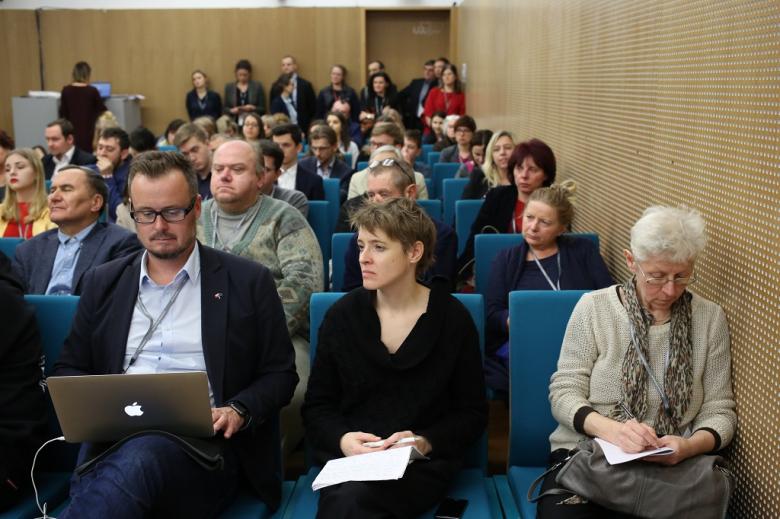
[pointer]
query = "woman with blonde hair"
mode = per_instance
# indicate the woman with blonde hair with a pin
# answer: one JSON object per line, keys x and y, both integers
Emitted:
{"x": 201, "y": 100}
{"x": 544, "y": 260}
{"x": 495, "y": 169}
{"x": 24, "y": 212}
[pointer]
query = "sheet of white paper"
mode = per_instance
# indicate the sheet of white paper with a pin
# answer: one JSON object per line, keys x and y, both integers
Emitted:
{"x": 615, "y": 455}
{"x": 374, "y": 466}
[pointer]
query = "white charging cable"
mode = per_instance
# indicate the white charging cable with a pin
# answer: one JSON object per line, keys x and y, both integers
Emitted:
{"x": 42, "y": 509}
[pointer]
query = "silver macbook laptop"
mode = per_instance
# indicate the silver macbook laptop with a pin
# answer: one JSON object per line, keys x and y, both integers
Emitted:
{"x": 102, "y": 408}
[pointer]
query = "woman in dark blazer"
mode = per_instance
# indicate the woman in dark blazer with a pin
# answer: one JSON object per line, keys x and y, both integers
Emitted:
{"x": 243, "y": 95}
{"x": 200, "y": 100}
{"x": 531, "y": 166}
{"x": 545, "y": 260}
{"x": 338, "y": 90}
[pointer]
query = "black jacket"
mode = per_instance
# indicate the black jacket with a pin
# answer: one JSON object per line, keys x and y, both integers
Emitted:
{"x": 80, "y": 158}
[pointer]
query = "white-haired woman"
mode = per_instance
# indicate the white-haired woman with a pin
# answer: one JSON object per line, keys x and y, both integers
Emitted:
{"x": 683, "y": 398}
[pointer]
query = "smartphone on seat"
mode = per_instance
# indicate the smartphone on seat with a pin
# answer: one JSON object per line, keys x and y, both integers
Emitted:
{"x": 451, "y": 508}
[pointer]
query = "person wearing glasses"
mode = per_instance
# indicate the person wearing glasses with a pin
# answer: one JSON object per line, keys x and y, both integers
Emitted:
{"x": 397, "y": 359}
{"x": 645, "y": 364}
{"x": 391, "y": 177}
{"x": 181, "y": 306}
{"x": 544, "y": 260}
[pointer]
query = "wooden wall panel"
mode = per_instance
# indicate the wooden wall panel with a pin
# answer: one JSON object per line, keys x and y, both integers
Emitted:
{"x": 19, "y": 61}
{"x": 154, "y": 52}
{"x": 660, "y": 102}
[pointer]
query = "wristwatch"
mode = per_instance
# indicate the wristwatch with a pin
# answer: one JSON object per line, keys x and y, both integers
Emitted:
{"x": 241, "y": 411}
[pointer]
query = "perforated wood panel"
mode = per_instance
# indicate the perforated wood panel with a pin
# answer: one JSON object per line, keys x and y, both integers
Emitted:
{"x": 670, "y": 102}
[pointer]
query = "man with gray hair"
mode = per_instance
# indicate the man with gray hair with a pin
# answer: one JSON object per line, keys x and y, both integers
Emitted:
{"x": 391, "y": 177}
{"x": 240, "y": 220}
{"x": 384, "y": 134}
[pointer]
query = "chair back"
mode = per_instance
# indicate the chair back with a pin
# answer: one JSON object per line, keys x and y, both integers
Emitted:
{"x": 451, "y": 192}
{"x": 332, "y": 188}
{"x": 319, "y": 219}
{"x": 8, "y": 246}
{"x": 432, "y": 207}
{"x": 441, "y": 171}
{"x": 361, "y": 165}
{"x": 433, "y": 158}
{"x": 339, "y": 244}
{"x": 537, "y": 323}
{"x": 487, "y": 246}
{"x": 466, "y": 212}
{"x": 426, "y": 149}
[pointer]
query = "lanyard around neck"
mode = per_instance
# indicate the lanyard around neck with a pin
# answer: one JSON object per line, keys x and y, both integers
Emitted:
{"x": 153, "y": 324}
{"x": 555, "y": 286}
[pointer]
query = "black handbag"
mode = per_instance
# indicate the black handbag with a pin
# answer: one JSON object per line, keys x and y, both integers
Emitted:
{"x": 699, "y": 487}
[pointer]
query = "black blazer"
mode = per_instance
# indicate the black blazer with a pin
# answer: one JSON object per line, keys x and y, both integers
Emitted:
{"x": 256, "y": 96}
{"x": 34, "y": 258}
{"x": 248, "y": 353}
{"x": 494, "y": 217}
{"x": 308, "y": 182}
{"x": 212, "y": 106}
{"x": 305, "y": 102}
{"x": 341, "y": 171}
{"x": 80, "y": 158}
{"x": 327, "y": 97}
{"x": 409, "y": 97}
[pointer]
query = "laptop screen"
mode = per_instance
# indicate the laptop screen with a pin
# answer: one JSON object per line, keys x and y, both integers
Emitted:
{"x": 104, "y": 87}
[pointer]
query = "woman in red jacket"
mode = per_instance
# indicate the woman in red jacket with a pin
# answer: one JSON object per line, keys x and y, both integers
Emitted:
{"x": 448, "y": 98}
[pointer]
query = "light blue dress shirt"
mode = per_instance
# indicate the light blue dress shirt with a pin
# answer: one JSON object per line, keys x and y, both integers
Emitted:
{"x": 177, "y": 344}
{"x": 61, "y": 281}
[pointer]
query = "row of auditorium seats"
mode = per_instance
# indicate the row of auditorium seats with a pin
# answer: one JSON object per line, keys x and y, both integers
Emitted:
{"x": 537, "y": 323}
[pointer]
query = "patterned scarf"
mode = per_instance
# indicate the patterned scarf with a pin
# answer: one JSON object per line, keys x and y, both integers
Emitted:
{"x": 678, "y": 378}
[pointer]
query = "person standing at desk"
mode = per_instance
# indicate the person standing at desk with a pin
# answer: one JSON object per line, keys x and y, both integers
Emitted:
{"x": 81, "y": 104}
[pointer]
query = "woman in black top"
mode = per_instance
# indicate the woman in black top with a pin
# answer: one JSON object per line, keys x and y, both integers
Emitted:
{"x": 338, "y": 90}
{"x": 243, "y": 95}
{"x": 200, "y": 100}
{"x": 379, "y": 96}
{"x": 396, "y": 359}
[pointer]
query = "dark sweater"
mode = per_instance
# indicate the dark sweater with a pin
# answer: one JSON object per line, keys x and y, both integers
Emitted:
{"x": 582, "y": 268}
{"x": 22, "y": 405}
{"x": 495, "y": 217}
{"x": 81, "y": 105}
{"x": 433, "y": 385}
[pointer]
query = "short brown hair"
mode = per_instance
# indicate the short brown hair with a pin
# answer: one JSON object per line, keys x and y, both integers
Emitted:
{"x": 391, "y": 129}
{"x": 187, "y": 132}
{"x": 323, "y": 131}
{"x": 402, "y": 220}
{"x": 558, "y": 197}
{"x": 157, "y": 164}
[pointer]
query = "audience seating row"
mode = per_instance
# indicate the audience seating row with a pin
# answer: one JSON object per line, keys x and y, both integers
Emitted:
{"x": 537, "y": 324}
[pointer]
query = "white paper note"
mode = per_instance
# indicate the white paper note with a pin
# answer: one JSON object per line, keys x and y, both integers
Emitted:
{"x": 615, "y": 455}
{"x": 373, "y": 466}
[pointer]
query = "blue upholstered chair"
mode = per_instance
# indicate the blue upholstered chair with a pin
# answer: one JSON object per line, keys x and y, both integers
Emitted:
{"x": 486, "y": 246}
{"x": 466, "y": 212}
{"x": 471, "y": 483}
{"x": 332, "y": 188}
{"x": 53, "y": 469}
{"x": 432, "y": 207}
{"x": 339, "y": 244}
{"x": 537, "y": 322}
{"x": 361, "y": 165}
{"x": 426, "y": 149}
{"x": 8, "y": 246}
{"x": 433, "y": 158}
{"x": 441, "y": 171}
{"x": 451, "y": 192}
{"x": 320, "y": 220}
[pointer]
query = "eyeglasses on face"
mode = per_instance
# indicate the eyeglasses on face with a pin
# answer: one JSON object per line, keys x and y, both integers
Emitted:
{"x": 659, "y": 282}
{"x": 170, "y": 214}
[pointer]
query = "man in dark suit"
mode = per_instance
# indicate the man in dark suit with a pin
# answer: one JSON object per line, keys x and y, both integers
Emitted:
{"x": 113, "y": 162}
{"x": 62, "y": 151}
{"x": 414, "y": 95}
{"x": 223, "y": 317}
{"x": 54, "y": 262}
{"x": 303, "y": 94}
{"x": 296, "y": 176}
{"x": 324, "y": 144}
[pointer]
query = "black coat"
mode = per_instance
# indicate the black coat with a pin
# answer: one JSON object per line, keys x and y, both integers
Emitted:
{"x": 80, "y": 158}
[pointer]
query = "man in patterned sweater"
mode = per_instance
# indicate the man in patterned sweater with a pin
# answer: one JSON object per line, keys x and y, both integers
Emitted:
{"x": 241, "y": 220}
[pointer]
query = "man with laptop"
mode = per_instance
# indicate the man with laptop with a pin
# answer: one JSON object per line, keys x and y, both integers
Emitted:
{"x": 178, "y": 307}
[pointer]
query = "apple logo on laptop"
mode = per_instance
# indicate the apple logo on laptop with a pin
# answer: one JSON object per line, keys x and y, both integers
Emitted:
{"x": 133, "y": 410}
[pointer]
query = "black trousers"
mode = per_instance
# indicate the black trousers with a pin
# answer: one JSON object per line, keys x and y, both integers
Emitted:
{"x": 424, "y": 484}
{"x": 561, "y": 506}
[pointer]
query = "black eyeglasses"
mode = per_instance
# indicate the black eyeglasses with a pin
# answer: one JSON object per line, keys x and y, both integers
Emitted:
{"x": 170, "y": 215}
{"x": 389, "y": 163}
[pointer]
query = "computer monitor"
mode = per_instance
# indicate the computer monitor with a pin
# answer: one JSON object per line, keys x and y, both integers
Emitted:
{"x": 104, "y": 87}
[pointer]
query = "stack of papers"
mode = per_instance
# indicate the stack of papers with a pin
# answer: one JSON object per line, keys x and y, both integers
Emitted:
{"x": 615, "y": 455}
{"x": 374, "y": 466}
